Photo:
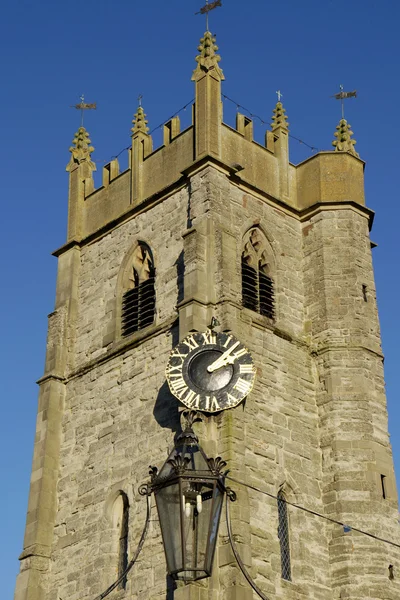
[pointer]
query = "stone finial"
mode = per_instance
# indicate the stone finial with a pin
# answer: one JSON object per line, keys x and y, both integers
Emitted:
{"x": 279, "y": 118}
{"x": 343, "y": 142}
{"x": 208, "y": 58}
{"x": 81, "y": 149}
{"x": 139, "y": 122}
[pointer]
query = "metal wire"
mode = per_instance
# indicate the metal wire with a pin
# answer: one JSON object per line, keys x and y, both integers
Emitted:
{"x": 264, "y": 122}
{"x": 346, "y": 527}
{"x": 150, "y": 132}
{"x": 123, "y": 575}
{"x": 237, "y": 556}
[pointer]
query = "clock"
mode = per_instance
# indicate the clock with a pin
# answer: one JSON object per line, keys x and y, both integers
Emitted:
{"x": 210, "y": 371}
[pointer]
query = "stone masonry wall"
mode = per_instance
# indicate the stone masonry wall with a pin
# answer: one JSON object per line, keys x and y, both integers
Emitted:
{"x": 291, "y": 433}
{"x": 272, "y": 442}
{"x": 344, "y": 327}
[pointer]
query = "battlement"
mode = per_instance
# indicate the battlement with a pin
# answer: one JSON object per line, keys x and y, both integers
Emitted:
{"x": 326, "y": 177}
{"x": 159, "y": 171}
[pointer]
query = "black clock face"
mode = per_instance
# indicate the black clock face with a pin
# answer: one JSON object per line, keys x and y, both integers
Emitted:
{"x": 210, "y": 371}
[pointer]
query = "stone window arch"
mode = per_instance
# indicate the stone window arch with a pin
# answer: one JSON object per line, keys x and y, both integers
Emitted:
{"x": 283, "y": 535}
{"x": 120, "y": 523}
{"x": 257, "y": 264}
{"x": 139, "y": 296}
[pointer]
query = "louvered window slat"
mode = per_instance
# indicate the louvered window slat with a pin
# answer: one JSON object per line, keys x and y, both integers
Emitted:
{"x": 138, "y": 306}
{"x": 257, "y": 291}
{"x": 130, "y": 303}
{"x": 266, "y": 296}
{"x": 249, "y": 286}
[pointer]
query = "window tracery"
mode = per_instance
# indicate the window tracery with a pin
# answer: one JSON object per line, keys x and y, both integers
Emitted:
{"x": 139, "y": 299}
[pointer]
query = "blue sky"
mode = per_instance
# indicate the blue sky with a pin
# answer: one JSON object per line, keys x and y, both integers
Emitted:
{"x": 52, "y": 52}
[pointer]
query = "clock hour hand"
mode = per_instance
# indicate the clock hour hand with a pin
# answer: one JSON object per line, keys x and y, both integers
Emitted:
{"x": 223, "y": 360}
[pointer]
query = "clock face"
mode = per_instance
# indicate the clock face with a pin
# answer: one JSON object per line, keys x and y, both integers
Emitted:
{"x": 210, "y": 371}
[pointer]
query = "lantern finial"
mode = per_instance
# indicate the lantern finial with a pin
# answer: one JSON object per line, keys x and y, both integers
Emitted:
{"x": 188, "y": 436}
{"x": 191, "y": 416}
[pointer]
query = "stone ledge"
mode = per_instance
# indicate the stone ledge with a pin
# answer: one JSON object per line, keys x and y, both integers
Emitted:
{"x": 36, "y": 550}
{"x": 123, "y": 346}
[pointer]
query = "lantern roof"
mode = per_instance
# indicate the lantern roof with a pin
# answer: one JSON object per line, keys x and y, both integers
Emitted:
{"x": 187, "y": 457}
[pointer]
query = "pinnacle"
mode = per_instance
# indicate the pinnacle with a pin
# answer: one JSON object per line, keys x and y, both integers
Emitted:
{"x": 343, "y": 142}
{"x": 139, "y": 122}
{"x": 279, "y": 118}
{"x": 81, "y": 148}
{"x": 208, "y": 58}
{"x": 81, "y": 141}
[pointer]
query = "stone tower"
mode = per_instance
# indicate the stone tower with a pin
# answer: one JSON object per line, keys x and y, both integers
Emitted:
{"x": 213, "y": 224}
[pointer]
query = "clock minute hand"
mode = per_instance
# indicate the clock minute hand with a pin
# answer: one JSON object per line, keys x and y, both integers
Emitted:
{"x": 223, "y": 360}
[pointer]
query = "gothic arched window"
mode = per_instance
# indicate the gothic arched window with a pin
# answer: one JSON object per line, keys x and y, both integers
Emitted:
{"x": 283, "y": 535}
{"x": 139, "y": 299}
{"x": 120, "y": 513}
{"x": 257, "y": 282}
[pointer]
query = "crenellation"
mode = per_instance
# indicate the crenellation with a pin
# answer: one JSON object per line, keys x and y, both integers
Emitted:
{"x": 253, "y": 165}
{"x": 244, "y": 125}
{"x": 171, "y": 130}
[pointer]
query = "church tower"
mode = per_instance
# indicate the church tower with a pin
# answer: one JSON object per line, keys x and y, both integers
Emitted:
{"x": 215, "y": 234}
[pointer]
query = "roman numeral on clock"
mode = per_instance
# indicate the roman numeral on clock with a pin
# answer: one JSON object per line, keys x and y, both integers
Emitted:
{"x": 246, "y": 369}
{"x": 232, "y": 400}
{"x": 191, "y": 399}
{"x": 209, "y": 337}
{"x": 191, "y": 342}
{"x": 211, "y": 404}
{"x": 173, "y": 368}
{"x": 242, "y": 386}
{"x": 227, "y": 341}
{"x": 239, "y": 353}
{"x": 178, "y": 383}
{"x": 177, "y": 354}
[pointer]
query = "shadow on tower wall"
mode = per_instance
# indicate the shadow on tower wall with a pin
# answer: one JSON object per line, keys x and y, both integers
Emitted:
{"x": 166, "y": 410}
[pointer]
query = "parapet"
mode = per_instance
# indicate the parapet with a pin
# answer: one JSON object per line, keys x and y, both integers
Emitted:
{"x": 330, "y": 177}
{"x": 327, "y": 177}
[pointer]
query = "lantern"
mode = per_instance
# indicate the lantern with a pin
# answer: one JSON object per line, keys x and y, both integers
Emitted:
{"x": 189, "y": 491}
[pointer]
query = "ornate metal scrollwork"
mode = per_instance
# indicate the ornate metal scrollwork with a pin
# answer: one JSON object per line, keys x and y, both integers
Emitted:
{"x": 145, "y": 489}
{"x": 231, "y": 494}
{"x": 179, "y": 463}
{"x": 191, "y": 416}
{"x": 153, "y": 472}
{"x": 217, "y": 465}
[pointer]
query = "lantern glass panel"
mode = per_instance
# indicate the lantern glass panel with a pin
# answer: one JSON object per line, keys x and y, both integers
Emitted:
{"x": 198, "y": 507}
{"x": 169, "y": 511}
{"x": 215, "y": 516}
